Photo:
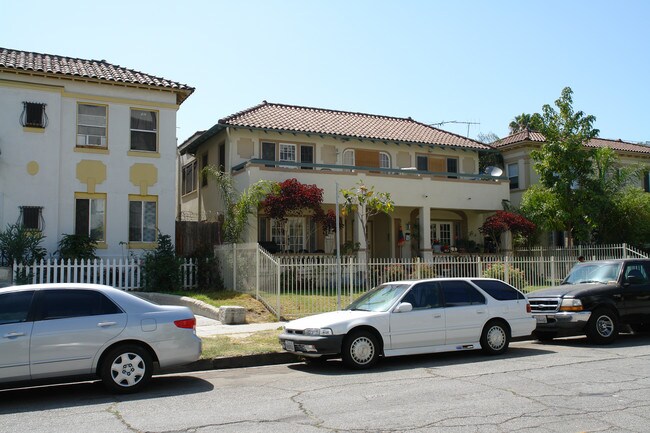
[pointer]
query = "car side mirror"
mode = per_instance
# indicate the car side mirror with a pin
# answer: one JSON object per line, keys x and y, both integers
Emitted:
{"x": 403, "y": 307}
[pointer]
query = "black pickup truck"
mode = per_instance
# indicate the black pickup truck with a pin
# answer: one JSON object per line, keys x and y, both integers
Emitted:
{"x": 596, "y": 299}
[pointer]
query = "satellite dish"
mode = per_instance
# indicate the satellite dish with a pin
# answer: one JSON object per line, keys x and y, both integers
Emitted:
{"x": 493, "y": 171}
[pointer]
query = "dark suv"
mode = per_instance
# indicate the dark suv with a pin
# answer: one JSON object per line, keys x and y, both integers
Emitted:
{"x": 596, "y": 299}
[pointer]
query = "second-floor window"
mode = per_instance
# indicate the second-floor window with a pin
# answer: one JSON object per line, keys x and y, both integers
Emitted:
{"x": 287, "y": 152}
{"x": 144, "y": 130}
{"x": 513, "y": 175}
{"x": 384, "y": 160}
{"x": 189, "y": 176}
{"x": 91, "y": 125}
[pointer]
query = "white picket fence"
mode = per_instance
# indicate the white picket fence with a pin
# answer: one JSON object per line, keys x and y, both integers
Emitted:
{"x": 298, "y": 285}
{"x": 125, "y": 274}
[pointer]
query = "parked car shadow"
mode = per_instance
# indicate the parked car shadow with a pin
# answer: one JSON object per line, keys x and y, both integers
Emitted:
{"x": 623, "y": 340}
{"x": 78, "y": 394}
{"x": 335, "y": 367}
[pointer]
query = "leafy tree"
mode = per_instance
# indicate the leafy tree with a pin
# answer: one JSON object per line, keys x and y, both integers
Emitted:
{"x": 160, "y": 267}
{"x": 78, "y": 247}
{"x": 238, "y": 206}
{"x": 565, "y": 167}
{"x": 366, "y": 203}
{"x": 489, "y": 158}
{"x": 293, "y": 198}
{"x": 502, "y": 221}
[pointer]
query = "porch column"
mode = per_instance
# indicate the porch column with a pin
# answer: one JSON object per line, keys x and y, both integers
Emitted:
{"x": 425, "y": 234}
{"x": 359, "y": 237}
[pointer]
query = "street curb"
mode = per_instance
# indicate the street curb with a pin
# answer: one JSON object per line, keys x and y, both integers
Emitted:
{"x": 199, "y": 308}
{"x": 234, "y": 362}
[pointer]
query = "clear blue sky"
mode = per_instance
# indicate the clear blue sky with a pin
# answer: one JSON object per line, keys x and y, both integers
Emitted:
{"x": 471, "y": 61}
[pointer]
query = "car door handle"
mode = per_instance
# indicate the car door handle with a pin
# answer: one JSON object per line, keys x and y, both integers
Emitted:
{"x": 437, "y": 316}
{"x": 480, "y": 312}
{"x": 106, "y": 324}
{"x": 14, "y": 334}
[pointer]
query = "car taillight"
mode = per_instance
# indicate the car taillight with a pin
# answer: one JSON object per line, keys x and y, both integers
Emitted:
{"x": 186, "y": 323}
{"x": 528, "y": 309}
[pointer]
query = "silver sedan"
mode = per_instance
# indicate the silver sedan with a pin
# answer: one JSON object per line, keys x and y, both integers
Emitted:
{"x": 59, "y": 332}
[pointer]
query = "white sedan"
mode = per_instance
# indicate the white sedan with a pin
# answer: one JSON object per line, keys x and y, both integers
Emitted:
{"x": 414, "y": 317}
{"x": 58, "y": 332}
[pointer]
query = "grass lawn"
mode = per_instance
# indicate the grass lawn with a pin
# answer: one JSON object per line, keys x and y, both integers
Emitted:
{"x": 220, "y": 346}
{"x": 251, "y": 344}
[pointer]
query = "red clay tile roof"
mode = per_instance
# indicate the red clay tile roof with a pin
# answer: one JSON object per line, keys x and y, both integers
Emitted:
{"x": 88, "y": 69}
{"x": 517, "y": 137}
{"x": 537, "y": 137}
{"x": 281, "y": 117}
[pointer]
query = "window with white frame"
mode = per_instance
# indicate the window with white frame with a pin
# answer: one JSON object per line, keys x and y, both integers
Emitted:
{"x": 142, "y": 220}
{"x": 289, "y": 234}
{"x": 189, "y": 177}
{"x": 144, "y": 130}
{"x": 348, "y": 157}
{"x": 91, "y": 125}
{"x": 287, "y": 152}
{"x": 444, "y": 233}
{"x": 384, "y": 160}
{"x": 90, "y": 216}
{"x": 513, "y": 175}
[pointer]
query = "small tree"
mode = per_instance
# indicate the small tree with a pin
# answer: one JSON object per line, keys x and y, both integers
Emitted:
{"x": 499, "y": 223}
{"x": 293, "y": 198}
{"x": 238, "y": 207}
{"x": 161, "y": 267}
{"x": 366, "y": 203}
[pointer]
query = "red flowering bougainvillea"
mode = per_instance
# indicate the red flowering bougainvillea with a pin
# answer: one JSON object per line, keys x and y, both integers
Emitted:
{"x": 295, "y": 199}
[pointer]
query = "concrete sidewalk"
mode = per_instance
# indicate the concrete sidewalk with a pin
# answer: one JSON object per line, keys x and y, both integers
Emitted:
{"x": 206, "y": 327}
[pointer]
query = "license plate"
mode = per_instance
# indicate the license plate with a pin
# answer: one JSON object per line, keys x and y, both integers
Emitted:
{"x": 541, "y": 319}
{"x": 288, "y": 345}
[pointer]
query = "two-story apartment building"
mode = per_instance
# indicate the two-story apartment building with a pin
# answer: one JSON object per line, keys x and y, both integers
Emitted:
{"x": 87, "y": 147}
{"x": 519, "y": 167}
{"x": 432, "y": 176}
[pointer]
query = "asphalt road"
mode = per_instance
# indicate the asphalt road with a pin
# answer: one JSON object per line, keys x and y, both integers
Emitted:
{"x": 566, "y": 386}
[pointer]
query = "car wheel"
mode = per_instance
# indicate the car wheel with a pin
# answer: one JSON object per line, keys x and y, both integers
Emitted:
{"x": 602, "y": 327}
{"x": 495, "y": 338}
{"x": 360, "y": 350}
{"x": 544, "y": 336}
{"x": 126, "y": 369}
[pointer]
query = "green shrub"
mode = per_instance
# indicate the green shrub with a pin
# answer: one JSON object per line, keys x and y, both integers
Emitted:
{"x": 77, "y": 247}
{"x": 516, "y": 277}
{"x": 208, "y": 276}
{"x": 20, "y": 245}
{"x": 161, "y": 269}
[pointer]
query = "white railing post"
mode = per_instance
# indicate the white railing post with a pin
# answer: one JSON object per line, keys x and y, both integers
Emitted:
{"x": 553, "y": 271}
{"x": 506, "y": 271}
{"x": 277, "y": 281}
{"x": 257, "y": 272}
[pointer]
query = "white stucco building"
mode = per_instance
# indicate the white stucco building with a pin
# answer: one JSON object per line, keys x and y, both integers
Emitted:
{"x": 87, "y": 147}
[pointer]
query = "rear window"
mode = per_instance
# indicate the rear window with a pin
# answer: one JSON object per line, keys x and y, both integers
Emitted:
{"x": 458, "y": 293}
{"x": 61, "y": 304}
{"x": 499, "y": 290}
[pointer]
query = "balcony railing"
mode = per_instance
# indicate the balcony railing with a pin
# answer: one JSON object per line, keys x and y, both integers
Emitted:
{"x": 410, "y": 171}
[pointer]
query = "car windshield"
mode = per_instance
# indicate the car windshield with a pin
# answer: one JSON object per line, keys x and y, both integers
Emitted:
{"x": 593, "y": 273}
{"x": 380, "y": 298}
